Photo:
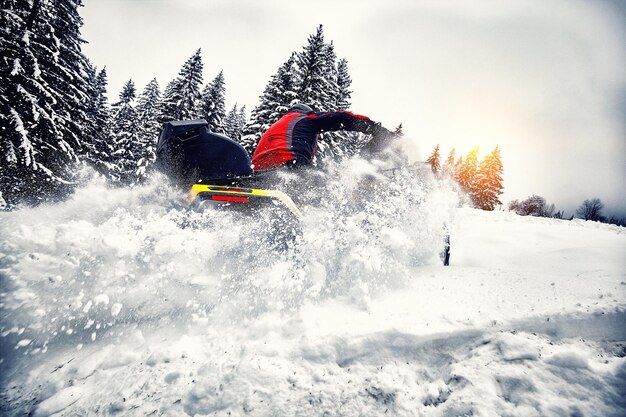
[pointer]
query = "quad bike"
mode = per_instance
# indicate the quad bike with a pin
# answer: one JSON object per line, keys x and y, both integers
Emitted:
{"x": 217, "y": 171}
{"x": 212, "y": 167}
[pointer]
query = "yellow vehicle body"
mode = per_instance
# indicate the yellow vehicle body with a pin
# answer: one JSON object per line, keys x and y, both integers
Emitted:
{"x": 239, "y": 195}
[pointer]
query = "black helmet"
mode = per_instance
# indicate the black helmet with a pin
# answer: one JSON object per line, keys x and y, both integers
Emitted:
{"x": 300, "y": 108}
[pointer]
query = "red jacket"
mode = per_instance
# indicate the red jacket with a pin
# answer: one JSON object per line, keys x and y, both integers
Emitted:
{"x": 294, "y": 136}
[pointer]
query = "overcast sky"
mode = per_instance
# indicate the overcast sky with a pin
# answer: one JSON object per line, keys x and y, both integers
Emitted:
{"x": 544, "y": 80}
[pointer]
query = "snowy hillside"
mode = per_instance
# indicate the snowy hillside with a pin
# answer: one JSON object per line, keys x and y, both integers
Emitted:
{"x": 123, "y": 302}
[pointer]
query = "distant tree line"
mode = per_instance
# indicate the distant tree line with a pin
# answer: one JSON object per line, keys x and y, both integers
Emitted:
{"x": 480, "y": 180}
{"x": 590, "y": 209}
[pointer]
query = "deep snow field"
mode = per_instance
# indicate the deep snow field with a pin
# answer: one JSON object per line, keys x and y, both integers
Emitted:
{"x": 123, "y": 302}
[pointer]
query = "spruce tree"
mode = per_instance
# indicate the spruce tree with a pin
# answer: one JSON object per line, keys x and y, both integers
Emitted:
{"x": 278, "y": 96}
{"x": 68, "y": 70}
{"x": 458, "y": 167}
{"x": 343, "y": 83}
{"x": 182, "y": 96}
{"x": 26, "y": 102}
{"x": 489, "y": 179}
{"x": 125, "y": 135}
{"x": 92, "y": 77}
{"x": 449, "y": 166}
{"x": 331, "y": 144}
{"x": 330, "y": 92}
{"x": 434, "y": 160}
{"x": 43, "y": 97}
{"x": 468, "y": 174}
{"x": 168, "y": 110}
{"x": 213, "y": 103}
{"x": 312, "y": 71}
{"x": 234, "y": 123}
{"x": 97, "y": 147}
{"x": 313, "y": 77}
{"x": 242, "y": 119}
{"x": 148, "y": 106}
{"x": 231, "y": 123}
{"x": 334, "y": 96}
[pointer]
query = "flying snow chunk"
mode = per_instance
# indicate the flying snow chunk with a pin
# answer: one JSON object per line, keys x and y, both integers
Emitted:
{"x": 115, "y": 309}
{"x": 23, "y": 343}
{"x": 101, "y": 299}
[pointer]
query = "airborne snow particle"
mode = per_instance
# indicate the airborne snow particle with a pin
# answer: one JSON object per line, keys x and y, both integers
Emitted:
{"x": 101, "y": 299}
{"x": 22, "y": 343}
{"x": 115, "y": 309}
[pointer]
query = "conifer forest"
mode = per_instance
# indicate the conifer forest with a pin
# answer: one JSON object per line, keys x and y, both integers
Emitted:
{"x": 57, "y": 117}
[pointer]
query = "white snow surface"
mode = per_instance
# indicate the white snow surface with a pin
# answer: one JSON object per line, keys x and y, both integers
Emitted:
{"x": 124, "y": 302}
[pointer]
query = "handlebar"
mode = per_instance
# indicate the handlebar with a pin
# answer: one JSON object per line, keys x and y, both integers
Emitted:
{"x": 381, "y": 138}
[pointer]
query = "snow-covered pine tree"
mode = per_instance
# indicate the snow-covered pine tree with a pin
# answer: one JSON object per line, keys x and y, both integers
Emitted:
{"x": 234, "y": 122}
{"x": 311, "y": 77}
{"x": 242, "y": 119}
{"x": 43, "y": 95}
{"x": 458, "y": 167}
{"x": 125, "y": 135}
{"x": 231, "y": 123}
{"x": 489, "y": 181}
{"x": 343, "y": 84}
{"x": 26, "y": 102}
{"x": 168, "y": 110}
{"x": 332, "y": 144}
{"x": 311, "y": 73}
{"x": 97, "y": 145}
{"x": 398, "y": 131}
{"x": 182, "y": 96}
{"x": 319, "y": 88}
{"x": 341, "y": 143}
{"x": 148, "y": 106}
{"x": 449, "y": 166}
{"x": 92, "y": 77}
{"x": 468, "y": 174}
{"x": 213, "y": 108}
{"x": 68, "y": 70}
{"x": 330, "y": 93}
{"x": 279, "y": 94}
{"x": 434, "y": 160}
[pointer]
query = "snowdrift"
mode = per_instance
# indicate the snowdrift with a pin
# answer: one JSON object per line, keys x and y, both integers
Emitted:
{"x": 124, "y": 302}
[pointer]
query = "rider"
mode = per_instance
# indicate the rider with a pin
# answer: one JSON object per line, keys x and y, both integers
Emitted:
{"x": 292, "y": 140}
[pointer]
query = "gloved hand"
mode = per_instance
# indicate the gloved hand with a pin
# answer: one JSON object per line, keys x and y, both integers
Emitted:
{"x": 371, "y": 127}
{"x": 382, "y": 132}
{"x": 381, "y": 137}
{"x": 376, "y": 129}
